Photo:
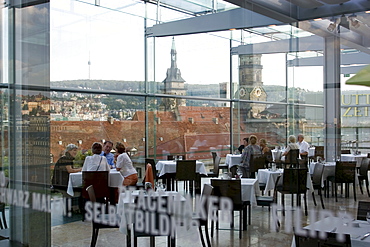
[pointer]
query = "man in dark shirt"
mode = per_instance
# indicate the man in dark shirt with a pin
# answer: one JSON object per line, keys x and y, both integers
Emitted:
{"x": 245, "y": 143}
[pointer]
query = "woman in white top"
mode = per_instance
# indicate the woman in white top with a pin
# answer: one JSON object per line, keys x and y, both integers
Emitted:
{"x": 124, "y": 165}
{"x": 96, "y": 162}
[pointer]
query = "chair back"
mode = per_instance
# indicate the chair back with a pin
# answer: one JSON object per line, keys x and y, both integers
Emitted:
{"x": 257, "y": 162}
{"x": 345, "y": 171}
{"x": 228, "y": 188}
{"x": 345, "y": 151}
{"x": 368, "y": 155}
{"x": 317, "y": 174}
{"x": 268, "y": 157}
{"x": 216, "y": 166}
{"x": 362, "y": 209}
{"x": 170, "y": 157}
{"x": 99, "y": 179}
{"x": 331, "y": 239}
{"x": 295, "y": 180}
{"x": 185, "y": 169}
{"x": 319, "y": 152}
{"x": 214, "y": 155}
{"x": 152, "y": 162}
{"x": 364, "y": 168}
{"x": 292, "y": 157}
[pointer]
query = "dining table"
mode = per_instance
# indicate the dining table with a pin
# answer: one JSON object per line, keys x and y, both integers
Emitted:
{"x": 169, "y": 166}
{"x": 233, "y": 160}
{"x": 249, "y": 188}
{"x": 269, "y": 177}
{"x": 357, "y": 229}
{"x": 75, "y": 180}
{"x": 353, "y": 157}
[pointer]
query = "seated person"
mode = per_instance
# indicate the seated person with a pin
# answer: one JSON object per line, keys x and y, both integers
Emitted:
{"x": 63, "y": 167}
{"x": 245, "y": 143}
{"x": 124, "y": 165}
{"x": 96, "y": 162}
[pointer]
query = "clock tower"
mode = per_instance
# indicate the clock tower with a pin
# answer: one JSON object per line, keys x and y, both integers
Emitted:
{"x": 250, "y": 83}
{"x": 174, "y": 83}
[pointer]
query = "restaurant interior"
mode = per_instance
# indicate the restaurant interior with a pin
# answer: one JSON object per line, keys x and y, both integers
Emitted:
{"x": 181, "y": 83}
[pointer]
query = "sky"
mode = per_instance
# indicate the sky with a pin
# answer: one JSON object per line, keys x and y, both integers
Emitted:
{"x": 88, "y": 42}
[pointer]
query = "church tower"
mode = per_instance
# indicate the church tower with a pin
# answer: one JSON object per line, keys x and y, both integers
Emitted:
{"x": 251, "y": 85}
{"x": 174, "y": 83}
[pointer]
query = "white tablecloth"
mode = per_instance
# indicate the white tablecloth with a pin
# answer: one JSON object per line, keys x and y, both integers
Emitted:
{"x": 169, "y": 166}
{"x": 351, "y": 157}
{"x": 75, "y": 180}
{"x": 269, "y": 178}
{"x": 233, "y": 159}
{"x": 311, "y": 152}
{"x": 329, "y": 224}
{"x": 250, "y": 188}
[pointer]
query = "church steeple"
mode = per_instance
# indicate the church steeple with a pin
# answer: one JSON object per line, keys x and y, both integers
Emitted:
{"x": 173, "y": 54}
{"x": 174, "y": 83}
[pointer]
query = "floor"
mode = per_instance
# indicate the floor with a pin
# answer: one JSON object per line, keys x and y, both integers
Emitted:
{"x": 78, "y": 233}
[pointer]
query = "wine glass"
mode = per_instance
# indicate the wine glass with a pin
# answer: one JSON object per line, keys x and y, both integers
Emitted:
{"x": 368, "y": 217}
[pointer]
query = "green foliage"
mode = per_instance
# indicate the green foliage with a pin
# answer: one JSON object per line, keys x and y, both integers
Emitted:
{"x": 80, "y": 158}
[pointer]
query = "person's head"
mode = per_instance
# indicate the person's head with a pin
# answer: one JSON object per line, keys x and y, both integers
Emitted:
{"x": 245, "y": 141}
{"x": 300, "y": 138}
{"x": 107, "y": 147}
{"x": 96, "y": 148}
{"x": 71, "y": 149}
{"x": 292, "y": 139}
{"x": 263, "y": 142}
{"x": 253, "y": 139}
{"x": 120, "y": 148}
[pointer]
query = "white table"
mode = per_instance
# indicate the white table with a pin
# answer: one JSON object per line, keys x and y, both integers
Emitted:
{"x": 75, "y": 180}
{"x": 351, "y": 157}
{"x": 233, "y": 160}
{"x": 269, "y": 178}
{"x": 169, "y": 166}
{"x": 311, "y": 152}
{"x": 356, "y": 233}
{"x": 249, "y": 188}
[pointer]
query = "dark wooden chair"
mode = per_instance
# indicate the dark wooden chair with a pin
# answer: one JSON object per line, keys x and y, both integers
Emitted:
{"x": 294, "y": 182}
{"x": 256, "y": 162}
{"x": 95, "y": 225}
{"x": 319, "y": 152}
{"x": 316, "y": 182}
{"x": 331, "y": 239}
{"x": 345, "y": 173}
{"x": 99, "y": 179}
{"x": 216, "y": 168}
{"x": 186, "y": 171}
{"x": 362, "y": 209}
{"x": 206, "y": 193}
{"x": 363, "y": 175}
{"x": 232, "y": 189}
{"x": 291, "y": 159}
{"x": 3, "y": 223}
{"x": 223, "y": 167}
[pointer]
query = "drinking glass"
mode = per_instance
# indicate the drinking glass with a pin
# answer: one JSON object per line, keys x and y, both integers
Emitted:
{"x": 368, "y": 217}
{"x": 160, "y": 186}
